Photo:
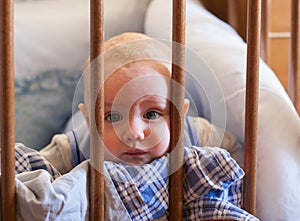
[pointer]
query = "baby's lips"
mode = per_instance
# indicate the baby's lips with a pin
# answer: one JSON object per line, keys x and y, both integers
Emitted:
{"x": 135, "y": 152}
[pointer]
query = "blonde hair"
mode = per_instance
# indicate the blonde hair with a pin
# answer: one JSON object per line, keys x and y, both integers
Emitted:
{"x": 131, "y": 47}
{"x": 127, "y": 48}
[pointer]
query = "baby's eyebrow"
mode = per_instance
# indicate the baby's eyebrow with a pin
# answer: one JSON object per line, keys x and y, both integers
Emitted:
{"x": 151, "y": 98}
{"x": 114, "y": 105}
{"x": 155, "y": 97}
{"x": 159, "y": 99}
{"x": 156, "y": 100}
{"x": 108, "y": 103}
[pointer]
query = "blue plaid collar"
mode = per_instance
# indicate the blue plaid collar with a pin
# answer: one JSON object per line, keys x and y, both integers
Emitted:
{"x": 143, "y": 189}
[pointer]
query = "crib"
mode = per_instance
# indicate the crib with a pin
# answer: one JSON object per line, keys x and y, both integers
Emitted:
{"x": 97, "y": 37}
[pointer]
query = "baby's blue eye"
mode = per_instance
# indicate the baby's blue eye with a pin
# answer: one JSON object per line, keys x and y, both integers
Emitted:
{"x": 151, "y": 115}
{"x": 114, "y": 117}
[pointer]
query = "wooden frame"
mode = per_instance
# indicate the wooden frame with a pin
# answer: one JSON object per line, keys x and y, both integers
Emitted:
{"x": 294, "y": 59}
{"x": 177, "y": 122}
{"x": 96, "y": 189}
{"x": 97, "y": 38}
{"x": 7, "y": 111}
{"x": 251, "y": 114}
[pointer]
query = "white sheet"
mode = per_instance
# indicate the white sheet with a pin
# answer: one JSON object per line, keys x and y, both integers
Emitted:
{"x": 64, "y": 199}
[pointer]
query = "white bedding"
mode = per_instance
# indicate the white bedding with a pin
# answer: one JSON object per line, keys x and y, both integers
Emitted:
{"x": 66, "y": 198}
{"x": 51, "y": 47}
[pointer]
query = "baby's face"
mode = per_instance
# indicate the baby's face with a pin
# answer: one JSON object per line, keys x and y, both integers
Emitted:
{"x": 137, "y": 124}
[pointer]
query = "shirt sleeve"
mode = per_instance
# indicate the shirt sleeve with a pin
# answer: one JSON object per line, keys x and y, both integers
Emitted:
{"x": 210, "y": 135}
{"x": 58, "y": 153}
{"x": 27, "y": 159}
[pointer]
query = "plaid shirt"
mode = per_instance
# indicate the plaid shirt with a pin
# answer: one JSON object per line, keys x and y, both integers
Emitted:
{"x": 212, "y": 184}
{"x": 28, "y": 160}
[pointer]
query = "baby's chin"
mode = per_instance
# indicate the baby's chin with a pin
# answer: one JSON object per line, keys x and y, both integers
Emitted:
{"x": 135, "y": 161}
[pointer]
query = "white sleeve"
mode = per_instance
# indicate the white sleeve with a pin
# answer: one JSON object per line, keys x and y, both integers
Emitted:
{"x": 210, "y": 135}
{"x": 58, "y": 153}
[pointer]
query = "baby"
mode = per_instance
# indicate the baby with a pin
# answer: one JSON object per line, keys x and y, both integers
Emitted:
{"x": 137, "y": 141}
{"x": 136, "y": 105}
{"x": 133, "y": 62}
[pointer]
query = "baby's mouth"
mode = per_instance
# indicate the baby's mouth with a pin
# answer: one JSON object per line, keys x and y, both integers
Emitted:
{"x": 135, "y": 152}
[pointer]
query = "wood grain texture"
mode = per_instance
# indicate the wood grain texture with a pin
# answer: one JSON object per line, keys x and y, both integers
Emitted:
{"x": 96, "y": 202}
{"x": 251, "y": 106}
{"x": 294, "y": 58}
{"x": 176, "y": 118}
{"x": 7, "y": 123}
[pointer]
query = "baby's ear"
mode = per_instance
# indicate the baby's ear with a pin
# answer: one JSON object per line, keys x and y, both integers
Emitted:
{"x": 85, "y": 113}
{"x": 186, "y": 105}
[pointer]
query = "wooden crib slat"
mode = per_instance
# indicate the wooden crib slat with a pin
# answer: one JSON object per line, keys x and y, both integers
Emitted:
{"x": 251, "y": 115}
{"x": 235, "y": 14}
{"x": 176, "y": 119}
{"x": 232, "y": 13}
{"x": 294, "y": 58}
{"x": 96, "y": 112}
{"x": 265, "y": 23}
{"x": 7, "y": 111}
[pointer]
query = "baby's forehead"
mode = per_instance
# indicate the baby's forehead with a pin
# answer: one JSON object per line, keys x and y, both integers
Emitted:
{"x": 139, "y": 74}
{"x": 143, "y": 67}
{"x": 137, "y": 80}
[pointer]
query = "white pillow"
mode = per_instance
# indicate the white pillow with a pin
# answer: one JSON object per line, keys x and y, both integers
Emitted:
{"x": 51, "y": 46}
{"x": 224, "y": 51}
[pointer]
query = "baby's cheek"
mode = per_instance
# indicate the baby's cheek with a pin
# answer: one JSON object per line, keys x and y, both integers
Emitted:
{"x": 111, "y": 142}
{"x": 163, "y": 139}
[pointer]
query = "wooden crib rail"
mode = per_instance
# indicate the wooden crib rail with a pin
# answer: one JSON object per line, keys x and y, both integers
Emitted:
{"x": 7, "y": 111}
{"x": 96, "y": 203}
{"x": 232, "y": 11}
{"x": 8, "y": 204}
{"x": 294, "y": 57}
{"x": 251, "y": 114}
{"x": 176, "y": 117}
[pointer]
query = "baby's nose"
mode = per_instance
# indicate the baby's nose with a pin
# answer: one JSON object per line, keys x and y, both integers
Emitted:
{"x": 135, "y": 131}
